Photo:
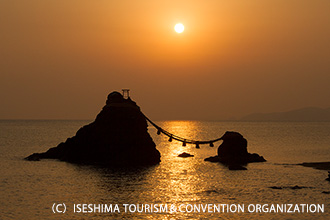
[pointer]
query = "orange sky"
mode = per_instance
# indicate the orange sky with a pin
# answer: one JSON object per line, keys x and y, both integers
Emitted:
{"x": 60, "y": 58}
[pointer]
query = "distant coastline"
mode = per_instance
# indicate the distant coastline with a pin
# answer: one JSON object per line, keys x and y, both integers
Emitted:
{"x": 310, "y": 114}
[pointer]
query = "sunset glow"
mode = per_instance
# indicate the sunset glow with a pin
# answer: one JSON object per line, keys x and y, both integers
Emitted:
{"x": 225, "y": 53}
{"x": 156, "y": 109}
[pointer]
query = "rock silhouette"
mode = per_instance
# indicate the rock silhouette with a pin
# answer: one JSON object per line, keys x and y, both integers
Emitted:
{"x": 289, "y": 187}
{"x": 184, "y": 154}
{"x": 316, "y": 165}
{"x": 233, "y": 151}
{"x": 118, "y": 136}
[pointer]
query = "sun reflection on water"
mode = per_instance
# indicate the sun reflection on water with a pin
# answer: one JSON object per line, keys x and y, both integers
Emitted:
{"x": 181, "y": 181}
{"x": 30, "y": 187}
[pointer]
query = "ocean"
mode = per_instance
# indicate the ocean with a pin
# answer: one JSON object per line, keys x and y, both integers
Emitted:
{"x": 37, "y": 189}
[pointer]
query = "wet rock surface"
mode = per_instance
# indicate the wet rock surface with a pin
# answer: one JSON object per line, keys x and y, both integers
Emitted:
{"x": 118, "y": 136}
{"x": 233, "y": 151}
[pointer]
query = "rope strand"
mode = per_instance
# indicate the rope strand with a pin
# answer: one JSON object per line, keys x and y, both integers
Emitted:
{"x": 181, "y": 139}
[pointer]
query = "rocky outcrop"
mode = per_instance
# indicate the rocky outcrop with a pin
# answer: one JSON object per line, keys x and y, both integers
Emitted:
{"x": 233, "y": 151}
{"x": 118, "y": 136}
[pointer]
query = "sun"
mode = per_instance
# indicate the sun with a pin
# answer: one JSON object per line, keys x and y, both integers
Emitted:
{"x": 179, "y": 28}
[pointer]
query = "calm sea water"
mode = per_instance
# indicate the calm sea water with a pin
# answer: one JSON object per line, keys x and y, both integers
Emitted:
{"x": 29, "y": 189}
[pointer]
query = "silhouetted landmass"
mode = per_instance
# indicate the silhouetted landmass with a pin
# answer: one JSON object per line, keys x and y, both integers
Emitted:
{"x": 317, "y": 165}
{"x": 118, "y": 136}
{"x": 233, "y": 152}
{"x": 311, "y": 114}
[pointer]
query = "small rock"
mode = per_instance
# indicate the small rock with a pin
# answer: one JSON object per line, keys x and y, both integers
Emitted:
{"x": 297, "y": 187}
{"x": 276, "y": 187}
{"x": 184, "y": 154}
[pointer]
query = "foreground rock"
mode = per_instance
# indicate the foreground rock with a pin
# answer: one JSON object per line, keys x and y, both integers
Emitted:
{"x": 118, "y": 136}
{"x": 233, "y": 151}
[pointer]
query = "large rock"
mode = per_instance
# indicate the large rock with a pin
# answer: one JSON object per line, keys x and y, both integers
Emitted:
{"x": 118, "y": 136}
{"x": 233, "y": 151}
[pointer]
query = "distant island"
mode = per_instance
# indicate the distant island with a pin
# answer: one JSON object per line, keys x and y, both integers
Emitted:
{"x": 310, "y": 114}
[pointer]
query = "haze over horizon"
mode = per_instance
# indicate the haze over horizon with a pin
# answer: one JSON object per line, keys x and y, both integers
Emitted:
{"x": 60, "y": 59}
